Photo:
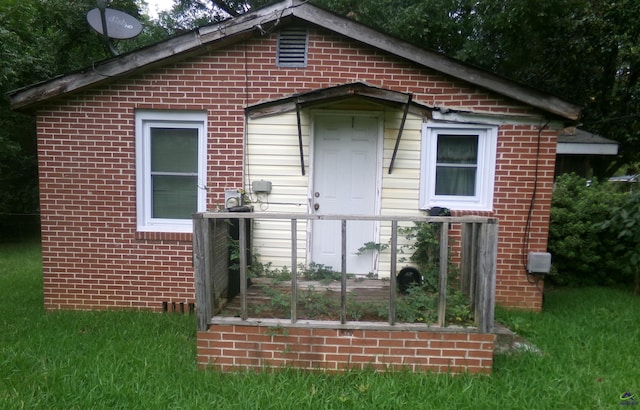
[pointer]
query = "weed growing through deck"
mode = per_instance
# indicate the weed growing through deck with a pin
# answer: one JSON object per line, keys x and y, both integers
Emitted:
{"x": 420, "y": 304}
{"x": 280, "y": 275}
{"x": 319, "y": 304}
{"x": 417, "y": 306}
{"x": 372, "y": 247}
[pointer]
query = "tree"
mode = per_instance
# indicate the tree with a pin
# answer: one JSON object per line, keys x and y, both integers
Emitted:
{"x": 38, "y": 40}
{"x": 625, "y": 225}
{"x": 189, "y": 14}
{"x": 583, "y": 50}
{"x": 441, "y": 25}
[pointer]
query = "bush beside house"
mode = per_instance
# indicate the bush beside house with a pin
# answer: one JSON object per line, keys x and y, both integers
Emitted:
{"x": 588, "y": 234}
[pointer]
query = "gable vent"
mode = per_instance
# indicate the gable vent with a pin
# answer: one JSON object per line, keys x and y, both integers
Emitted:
{"x": 292, "y": 47}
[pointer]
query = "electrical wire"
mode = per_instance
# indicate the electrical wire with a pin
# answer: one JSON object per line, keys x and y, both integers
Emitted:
{"x": 527, "y": 228}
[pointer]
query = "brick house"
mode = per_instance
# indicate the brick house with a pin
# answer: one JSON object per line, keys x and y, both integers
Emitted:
{"x": 129, "y": 148}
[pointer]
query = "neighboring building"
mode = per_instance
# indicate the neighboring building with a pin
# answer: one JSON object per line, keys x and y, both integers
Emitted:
{"x": 307, "y": 102}
{"x": 628, "y": 181}
{"x": 580, "y": 152}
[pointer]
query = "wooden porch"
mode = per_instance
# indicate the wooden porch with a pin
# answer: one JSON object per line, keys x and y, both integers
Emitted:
{"x": 477, "y": 241}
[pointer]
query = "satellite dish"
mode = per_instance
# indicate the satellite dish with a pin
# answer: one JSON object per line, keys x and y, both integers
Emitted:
{"x": 119, "y": 25}
{"x": 113, "y": 24}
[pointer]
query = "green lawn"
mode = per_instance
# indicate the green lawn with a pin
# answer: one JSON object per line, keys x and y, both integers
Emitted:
{"x": 64, "y": 360}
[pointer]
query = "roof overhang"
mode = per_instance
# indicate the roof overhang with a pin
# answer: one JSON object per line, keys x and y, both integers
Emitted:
{"x": 587, "y": 149}
{"x": 336, "y": 94}
{"x": 580, "y": 142}
{"x": 264, "y": 20}
{"x": 629, "y": 179}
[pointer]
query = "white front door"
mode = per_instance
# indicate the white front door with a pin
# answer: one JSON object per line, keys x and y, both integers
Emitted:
{"x": 345, "y": 175}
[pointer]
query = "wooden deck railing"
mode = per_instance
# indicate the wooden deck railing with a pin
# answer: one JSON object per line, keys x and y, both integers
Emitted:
{"x": 478, "y": 243}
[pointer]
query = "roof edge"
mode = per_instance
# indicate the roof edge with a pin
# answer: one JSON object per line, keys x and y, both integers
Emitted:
{"x": 218, "y": 35}
{"x": 148, "y": 57}
{"x": 440, "y": 62}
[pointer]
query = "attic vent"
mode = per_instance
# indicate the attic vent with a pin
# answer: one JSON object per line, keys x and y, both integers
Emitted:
{"x": 292, "y": 47}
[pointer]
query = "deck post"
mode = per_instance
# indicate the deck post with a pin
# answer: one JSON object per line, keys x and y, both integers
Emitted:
{"x": 466, "y": 262}
{"x": 244, "y": 314}
{"x": 343, "y": 278}
{"x": 393, "y": 273}
{"x": 294, "y": 269}
{"x": 444, "y": 267}
{"x": 486, "y": 277}
{"x": 202, "y": 271}
{"x": 469, "y": 258}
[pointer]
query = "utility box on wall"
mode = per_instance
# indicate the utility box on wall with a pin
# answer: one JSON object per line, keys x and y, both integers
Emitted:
{"x": 261, "y": 187}
{"x": 539, "y": 263}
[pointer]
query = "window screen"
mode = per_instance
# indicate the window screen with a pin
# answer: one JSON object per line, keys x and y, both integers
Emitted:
{"x": 174, "y": 172}
{"x": 456, "y": 165}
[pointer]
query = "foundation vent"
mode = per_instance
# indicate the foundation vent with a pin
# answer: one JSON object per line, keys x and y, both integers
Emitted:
{"x": 178, "y": 307}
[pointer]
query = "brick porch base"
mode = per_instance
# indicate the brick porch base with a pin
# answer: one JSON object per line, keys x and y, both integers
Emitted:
{"x": 235, "y": 345}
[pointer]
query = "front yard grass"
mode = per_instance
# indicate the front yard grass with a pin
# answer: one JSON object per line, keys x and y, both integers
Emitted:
{"x": 589, "y": 340}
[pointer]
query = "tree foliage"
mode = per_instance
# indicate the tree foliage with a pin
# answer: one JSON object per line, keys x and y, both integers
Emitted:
{"x": 583, "y": 252}
{"x": 40, "y": 39}
{"x": 187, "y": 15}
{"x": 625, "y": 225}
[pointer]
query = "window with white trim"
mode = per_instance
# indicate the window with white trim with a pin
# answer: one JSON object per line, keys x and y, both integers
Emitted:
{"x": 458, "y": 166}
{"x": 170, "y": 169}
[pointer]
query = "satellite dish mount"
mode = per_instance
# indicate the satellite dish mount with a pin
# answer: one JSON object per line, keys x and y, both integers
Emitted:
{"x": 112, "y": 24}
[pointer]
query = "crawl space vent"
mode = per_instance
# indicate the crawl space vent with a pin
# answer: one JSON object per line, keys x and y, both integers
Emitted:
{"x": 292, "y": 47}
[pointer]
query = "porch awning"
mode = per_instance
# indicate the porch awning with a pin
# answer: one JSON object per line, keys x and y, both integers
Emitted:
{"x": 361, "y": 90}
{"x": 336, "y": 93}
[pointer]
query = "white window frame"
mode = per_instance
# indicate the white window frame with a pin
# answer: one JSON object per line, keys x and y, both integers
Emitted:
{"x": 485, "y": 175}
{"x": 145, "y": 120}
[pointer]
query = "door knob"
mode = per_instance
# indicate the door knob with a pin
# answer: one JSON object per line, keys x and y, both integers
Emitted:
{"x": 316, "y": 206}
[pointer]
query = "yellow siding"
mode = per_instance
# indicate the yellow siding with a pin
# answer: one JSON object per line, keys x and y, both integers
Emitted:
{"x": 273, "y": 155}
{"x": 400, "y": 190}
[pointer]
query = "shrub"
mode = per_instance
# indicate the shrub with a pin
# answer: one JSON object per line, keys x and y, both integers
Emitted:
{"x": 583, "y": 252}
{"x": 625, "y": 223}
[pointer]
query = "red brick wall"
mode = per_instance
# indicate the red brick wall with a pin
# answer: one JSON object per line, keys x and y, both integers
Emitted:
{"x": 94, "y": 258}
{"x": 232, "y": 347}
{"x": 514, "y": 186}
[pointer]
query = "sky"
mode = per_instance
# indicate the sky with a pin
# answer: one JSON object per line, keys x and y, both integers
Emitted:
{"x": 158, "y": 5}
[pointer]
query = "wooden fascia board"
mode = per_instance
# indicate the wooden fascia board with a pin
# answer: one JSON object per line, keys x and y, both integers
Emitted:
{"x": 288, "y": 104}
{"x": 438, "y": 62}
{"x": 281, "y": 107}
{"x": 194, "y": 42}
{"x": 353, "y": 89}
{"x": 103, "y": 72}
{"x": 259, "y": 18}
{"x": 384, "y": 95}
